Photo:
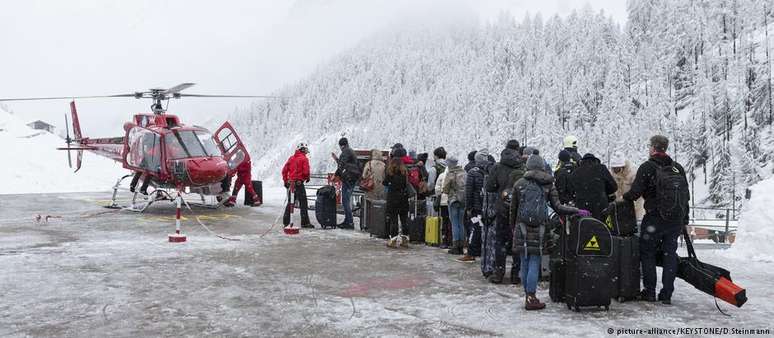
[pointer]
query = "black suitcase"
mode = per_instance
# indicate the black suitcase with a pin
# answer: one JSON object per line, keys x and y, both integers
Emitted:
{"x": 325, "y": 206}
{"x": 474, "y": 240}
{"x": 488, "y": 246}
{"x": 556, "y": 283}
{"x": 626, "y": 268}
{"x": 258, "y": 187}
{"x": 620, "y": 218}
{"x": 377, "y": 218}
{"x": 588, "y": 279}
{"x": 417, "y": 229}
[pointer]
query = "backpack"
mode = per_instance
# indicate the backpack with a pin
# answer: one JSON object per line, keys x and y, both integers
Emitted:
{"x": 672, "y": 193}
{"x": 415, "y": 178}
{"x": 459, "y": 187}
{"x": 532, "y": 204}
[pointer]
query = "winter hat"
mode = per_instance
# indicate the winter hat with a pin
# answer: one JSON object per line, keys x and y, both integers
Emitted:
{"x": 535, "y": 162}
{"x": 451, "y": 161}
{"x": 512, "y": 144}
{"x": 412, "y": 153}
{"x": 439, "y": 152}
{"x": 472, "y": 156}
{"x": 617, "y": 161}
{"x": 659, "y": 142}
{"x": 564, "y": 156}
{"x": 491, "y": 158}
{"x": 484, "y": 152}
{"x": 480, "y": 158}
{"x": 399, "y": 152}
{"x": 529, "y": 151}
{"x": 396, "y": 146}
{"x": 422, "y": 157}
{"x": 343, "y": 141}
{"x": 589, "y": 156}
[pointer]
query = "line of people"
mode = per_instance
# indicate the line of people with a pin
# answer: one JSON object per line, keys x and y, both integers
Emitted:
{"x": 495, "y": 209}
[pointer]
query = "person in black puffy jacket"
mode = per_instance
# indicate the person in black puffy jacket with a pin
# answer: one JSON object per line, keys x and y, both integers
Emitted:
{"x": 591, "y": 185}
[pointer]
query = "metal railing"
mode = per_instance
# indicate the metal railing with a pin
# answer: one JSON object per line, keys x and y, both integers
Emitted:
{"x": 720, "y": 223}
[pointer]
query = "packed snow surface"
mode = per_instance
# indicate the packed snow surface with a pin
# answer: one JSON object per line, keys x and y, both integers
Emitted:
{"x": 31, "y": 163}
{"x": 755, "y": 236}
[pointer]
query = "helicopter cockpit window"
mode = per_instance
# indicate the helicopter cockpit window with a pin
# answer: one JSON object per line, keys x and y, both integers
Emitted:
{"x": 144, "y": 149}
{"x": 187, "y": 143}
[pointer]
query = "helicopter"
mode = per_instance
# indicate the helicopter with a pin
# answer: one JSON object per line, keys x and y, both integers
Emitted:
{"x": 169, "y": 155}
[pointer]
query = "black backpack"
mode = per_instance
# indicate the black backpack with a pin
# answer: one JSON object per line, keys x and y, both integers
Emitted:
{"x": 672, "y": 193}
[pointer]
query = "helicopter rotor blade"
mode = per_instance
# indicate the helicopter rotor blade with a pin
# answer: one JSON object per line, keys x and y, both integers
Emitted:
{"x": 66, "y": 97}
{"x": 179, "y": 88}
{"x": 235, "y": 96}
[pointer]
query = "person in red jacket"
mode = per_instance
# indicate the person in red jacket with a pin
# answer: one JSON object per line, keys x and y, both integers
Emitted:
{"x": 295, "y": 173}
{"x": 244, "y": 177}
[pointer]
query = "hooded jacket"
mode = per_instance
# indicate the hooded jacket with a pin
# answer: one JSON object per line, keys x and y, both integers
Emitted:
{"x": 474, "y": 184}
{"x": 450, "y": 187}
{"x": 296, "y": 168}
{"x": 645, "y": 182}
{"x": 591, "y": 184}
{"x": 624, "y": 180}
{"x": 375, "y": 169}
{"x": 499, "y": 179}
{"x": 532, "y": 236}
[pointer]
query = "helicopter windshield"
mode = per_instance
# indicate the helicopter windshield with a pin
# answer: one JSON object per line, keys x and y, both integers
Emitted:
{"x": 188, "y": 143}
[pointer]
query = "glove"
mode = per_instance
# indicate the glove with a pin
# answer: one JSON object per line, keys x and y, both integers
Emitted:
{"x": 584, "y": 213}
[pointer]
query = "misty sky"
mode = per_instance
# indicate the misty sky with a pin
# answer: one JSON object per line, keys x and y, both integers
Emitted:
{"x": 96, "y": 47}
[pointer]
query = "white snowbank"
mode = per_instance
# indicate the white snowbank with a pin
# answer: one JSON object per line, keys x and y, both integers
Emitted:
{"x": 755, "y": 235}
{"x": 31, "y": 163}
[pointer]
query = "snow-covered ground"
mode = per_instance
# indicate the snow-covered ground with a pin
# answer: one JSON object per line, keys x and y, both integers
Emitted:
{"x": 114, "y": 274}
{"x": 755, "y": 236}
{"x": 31, "y": 163}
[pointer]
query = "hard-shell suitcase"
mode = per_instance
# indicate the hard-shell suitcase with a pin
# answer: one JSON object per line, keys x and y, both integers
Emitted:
{"x": 325, "y": 206}
{"x": 620, "y": 218}
{"x": 626, "y": 268}
{"x": 488, "y": 248}
{"x": 474, "y": 239}
{"x": 589, "y": 264}
{"x": 416, "y": 222}
{"x": 433, "y": 230}
{"x": 258, "y": 187}
{"x": 377, "y": 218}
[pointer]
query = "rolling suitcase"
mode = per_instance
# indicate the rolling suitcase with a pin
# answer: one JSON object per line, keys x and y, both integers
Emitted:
{"x": 620, "y": 218}
{"x": 258, "y": 187}
{"x": 557, "y": 263}
{"x": 377, "y": 218}
{"x": 417, "y": 225}
{"x": 589, "y": 264}
{"x": 474, "y": 239}
{"x": 325, "y": 206}
{"x": 626, "y": 268}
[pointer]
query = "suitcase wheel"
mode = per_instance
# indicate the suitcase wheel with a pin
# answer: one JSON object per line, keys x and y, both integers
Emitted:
{"x": 621, "y": 299}
{"x": 607, "y": 307}
{"x": 569, "y": 307}
{"x": 577, "y": 309}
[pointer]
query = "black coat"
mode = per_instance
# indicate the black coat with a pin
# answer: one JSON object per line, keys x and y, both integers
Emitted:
{"x": 348, "y": 168}
{"x": 397, "y": 194}
{"x": 590, "y": 185}
{"x": 474, "y": 184}
{"x": 499, "y": 179}
{"x": 645, "y": 182}
{"x": 562, "y": 182}
{"x": 532, "y": 236}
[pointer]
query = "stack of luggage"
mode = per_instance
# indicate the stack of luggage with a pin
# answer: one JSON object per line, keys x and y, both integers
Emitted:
{"x": 622, "y": 222}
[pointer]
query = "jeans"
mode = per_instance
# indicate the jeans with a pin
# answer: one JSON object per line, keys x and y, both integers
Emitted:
{"x": 657, "y": 234}
{"x": 456, "y": 214}
{"x": 530, "y": 272}
{"x": 346, "y": 202}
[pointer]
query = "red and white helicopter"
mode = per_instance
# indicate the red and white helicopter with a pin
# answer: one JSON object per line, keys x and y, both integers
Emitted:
{"x": 171, "y": 156}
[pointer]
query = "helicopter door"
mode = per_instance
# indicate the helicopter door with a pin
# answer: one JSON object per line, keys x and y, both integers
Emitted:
{"x": 234, "y": 152}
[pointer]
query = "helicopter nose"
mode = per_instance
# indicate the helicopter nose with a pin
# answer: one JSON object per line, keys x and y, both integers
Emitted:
{"x": 207, "y": 170}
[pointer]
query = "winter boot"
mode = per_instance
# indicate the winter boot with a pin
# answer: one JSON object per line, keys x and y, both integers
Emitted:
{"x": 256, "y": 201}
{"x": 456, "y": 248}
{"x": 647, "y": 296}
{"x": 515, "y": 280}
{"x": 466, "y": 259}
{"x": 532, "y": 303}
{"x": 496, "y": 278}
{"x": 664, "y": 298}
{"x": 230, "y": 202}
{"x": 404, "y": 241}
{"x": 392, "y": 243}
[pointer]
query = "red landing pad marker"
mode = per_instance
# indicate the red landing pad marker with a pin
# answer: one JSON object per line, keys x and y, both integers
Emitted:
{"x": 177, "y": 238}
